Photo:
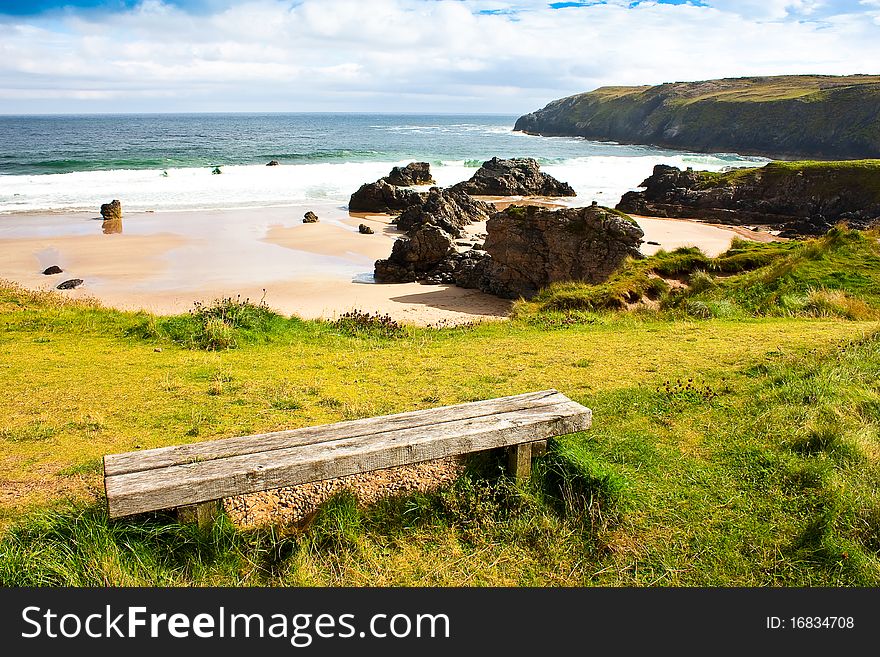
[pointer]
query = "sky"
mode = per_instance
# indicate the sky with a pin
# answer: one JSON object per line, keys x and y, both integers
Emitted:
{"x": 468, "y": 56}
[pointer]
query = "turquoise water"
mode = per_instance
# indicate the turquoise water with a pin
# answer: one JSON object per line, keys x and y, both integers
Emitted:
{"x": 163, "y": 162}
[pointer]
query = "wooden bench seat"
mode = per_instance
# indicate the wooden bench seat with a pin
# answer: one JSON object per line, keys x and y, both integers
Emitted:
{"x": 185, "y": 475}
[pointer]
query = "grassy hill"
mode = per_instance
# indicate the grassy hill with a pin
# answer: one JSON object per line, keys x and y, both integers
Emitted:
{"x": 812, "y": 116}
{"x": 735, "y": 441}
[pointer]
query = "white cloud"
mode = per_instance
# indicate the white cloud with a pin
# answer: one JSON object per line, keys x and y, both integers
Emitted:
{"x": 410, "y": 55}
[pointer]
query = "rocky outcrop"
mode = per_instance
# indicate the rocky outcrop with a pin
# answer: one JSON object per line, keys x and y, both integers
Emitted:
{"x": 527, "y": 248}
{"x": 414, "y": 173}
{"x": 514, "y": 177}
{"x": 798, "y": 198}
{"x": 112, "y": 211}
{"x": 69, "y": 284}
{"x": 412, "y": 258}
{"x": 54, "y": 269}
{"x": 363, "y": 229}
{"x": 449, "y": 209}
{"x": 382, "y": 197}
{"x": 273, "y": 163}
{"x": 531, "y": 247}
{"x": 431, "y": 227}
{"x": 310, "y": 218}
{"x": 814, "y": 116}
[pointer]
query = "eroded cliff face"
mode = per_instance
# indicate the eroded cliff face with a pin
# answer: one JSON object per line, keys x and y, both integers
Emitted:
{"x": 798, "y": 198}
{"x": 824, "y": 117}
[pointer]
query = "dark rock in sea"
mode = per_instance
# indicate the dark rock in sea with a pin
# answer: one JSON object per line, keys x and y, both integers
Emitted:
{"x": 446, "y": 208}
{"x": 272, "y": 163}
{"x": 382, "y": 197}
{"x": 514, "y": 177}
{"x": 54, "y": 269}
{"x": 310, "y": 218}
{"x": 531, "y": 247}
{"x": 363, "y": 229}
{"x": 112, "y": 211}
{"x": 414, "y": 173}
{"x": 216, "y": 171}
{"x": 69, "y": 284}
{"x": 799, "y": 198}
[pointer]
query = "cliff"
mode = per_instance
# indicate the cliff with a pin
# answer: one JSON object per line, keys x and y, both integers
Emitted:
{"x": 806, "y": 116}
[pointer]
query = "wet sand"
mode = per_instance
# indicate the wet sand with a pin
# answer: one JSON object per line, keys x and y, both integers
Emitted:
{"x": 163, "y": 262}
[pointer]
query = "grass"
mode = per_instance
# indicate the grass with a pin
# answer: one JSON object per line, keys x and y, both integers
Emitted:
{"x": 714, "y": 460}
{"x": 837, "y": 275}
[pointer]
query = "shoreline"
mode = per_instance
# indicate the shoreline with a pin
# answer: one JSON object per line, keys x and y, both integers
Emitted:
{"x": 164, "y": 261}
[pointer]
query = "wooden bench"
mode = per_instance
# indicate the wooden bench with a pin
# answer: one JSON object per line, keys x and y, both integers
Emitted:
{"x": 193, "y": 478}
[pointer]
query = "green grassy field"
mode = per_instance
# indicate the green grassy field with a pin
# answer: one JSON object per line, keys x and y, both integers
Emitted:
{"x": 728, "y": 448}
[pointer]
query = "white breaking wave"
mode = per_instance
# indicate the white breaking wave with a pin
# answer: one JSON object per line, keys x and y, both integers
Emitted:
{"x": 600, "y": 178}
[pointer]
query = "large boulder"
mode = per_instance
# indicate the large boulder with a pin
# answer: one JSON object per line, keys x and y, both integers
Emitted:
{"x": 382, "y": 197}
{"x": 531, "y": 247}
{"x": 448, "y": 209}
{"x": 414, "y": 173}
{"x": 112, "y": 211}
{"x": 514, "y": 177}
{"x": 413, "y": 257}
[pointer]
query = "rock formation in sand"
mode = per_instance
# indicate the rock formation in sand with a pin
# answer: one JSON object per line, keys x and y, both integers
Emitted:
{"x": 527, "y": 248}
{"x": 798, "y": 198}
{"x": 530, "y": 247}
{"x": 310, "y": 218}
{"x": 448, "y": 209}
{"x": 514, "y": 177}
{"x": 112, "y": 211}
{"x": 412, "y": 258}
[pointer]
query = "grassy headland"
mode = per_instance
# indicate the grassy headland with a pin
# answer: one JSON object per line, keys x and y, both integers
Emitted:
{"x": 816, "y": 116}
{"x": 735, "y": 437}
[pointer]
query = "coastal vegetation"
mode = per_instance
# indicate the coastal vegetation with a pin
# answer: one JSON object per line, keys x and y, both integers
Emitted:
{"x": 735, "y": 438}
{"x": 825, "y": 117}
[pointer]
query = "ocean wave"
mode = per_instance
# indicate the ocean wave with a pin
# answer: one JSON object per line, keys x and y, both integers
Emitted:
{"x": 325, "y": 180}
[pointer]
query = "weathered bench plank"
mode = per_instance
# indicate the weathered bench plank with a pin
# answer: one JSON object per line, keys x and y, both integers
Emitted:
{"x": 318, "y": 453}
{"x": 117, "y": 464}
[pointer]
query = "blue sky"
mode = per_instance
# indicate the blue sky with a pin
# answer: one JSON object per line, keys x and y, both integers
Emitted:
{"x": 404, "y": 55}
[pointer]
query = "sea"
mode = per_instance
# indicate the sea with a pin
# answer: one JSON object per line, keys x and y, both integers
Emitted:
{"x": 167, "y": 162}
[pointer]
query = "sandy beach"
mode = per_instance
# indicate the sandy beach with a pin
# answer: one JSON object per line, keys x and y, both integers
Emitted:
{"x": 162, "y": 262}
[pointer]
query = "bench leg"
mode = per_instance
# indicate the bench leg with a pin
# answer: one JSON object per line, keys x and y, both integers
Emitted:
{"x": 202, "y": 514}
{"x": 519, "y": 458}
{"x": 519, "y": 461}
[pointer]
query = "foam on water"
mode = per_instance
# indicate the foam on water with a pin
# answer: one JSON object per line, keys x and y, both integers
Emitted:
{"x": 604, "y": 178}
